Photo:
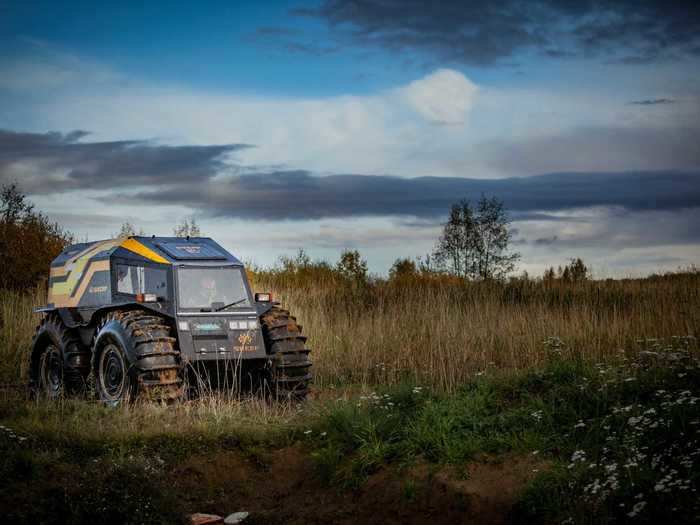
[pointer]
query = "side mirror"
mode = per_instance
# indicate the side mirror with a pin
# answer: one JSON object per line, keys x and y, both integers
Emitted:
{"x": 263, "y": 297}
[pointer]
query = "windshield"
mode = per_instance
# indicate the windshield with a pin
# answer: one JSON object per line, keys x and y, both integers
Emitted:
{"x": 201, "y": 287}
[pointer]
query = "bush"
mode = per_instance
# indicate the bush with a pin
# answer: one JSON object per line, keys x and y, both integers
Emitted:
{"x": 29, "y": 241}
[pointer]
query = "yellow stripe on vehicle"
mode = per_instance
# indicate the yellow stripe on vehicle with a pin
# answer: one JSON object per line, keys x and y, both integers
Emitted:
{"x": 76, "y": 265}
{"x": 70, "y": 300}
{"x": 135, "y": 246}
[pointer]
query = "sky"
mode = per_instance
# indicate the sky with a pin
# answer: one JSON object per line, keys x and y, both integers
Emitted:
{"x": 337, "y": 125}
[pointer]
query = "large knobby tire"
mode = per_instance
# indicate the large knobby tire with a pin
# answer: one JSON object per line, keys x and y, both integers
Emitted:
{"x": 288, "y": 368}
{"x": 134, "y": 357}
{"x": 59, "y": 361}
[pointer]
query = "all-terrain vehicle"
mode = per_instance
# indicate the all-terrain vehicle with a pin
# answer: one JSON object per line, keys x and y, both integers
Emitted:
{"x": 134, "y": 317}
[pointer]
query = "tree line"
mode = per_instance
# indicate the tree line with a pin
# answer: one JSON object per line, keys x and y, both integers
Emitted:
{"x": 475, "y": 244}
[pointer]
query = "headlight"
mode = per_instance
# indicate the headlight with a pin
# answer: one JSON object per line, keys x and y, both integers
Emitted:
{"x": 243, "y": 325}
{"x": 183, "y": 326}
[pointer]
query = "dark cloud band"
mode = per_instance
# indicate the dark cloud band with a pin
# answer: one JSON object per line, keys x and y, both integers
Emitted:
{"x": 202, "y": 178}
{"x": 652, "y": 102}
{"x": 300, "y": 195}
{"x": 51, "y": 162}
{"x": 485, "y": 32}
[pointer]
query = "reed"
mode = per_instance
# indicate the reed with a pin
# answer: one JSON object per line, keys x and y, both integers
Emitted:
{"x": 439, "y": 331}
{"x": 436, "y": 330}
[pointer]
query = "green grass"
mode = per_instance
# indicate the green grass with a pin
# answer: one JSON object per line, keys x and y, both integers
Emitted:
{"x": 619, "y": 434}
{"x": 74, "y": 461}
{"x": 617, "y": 440}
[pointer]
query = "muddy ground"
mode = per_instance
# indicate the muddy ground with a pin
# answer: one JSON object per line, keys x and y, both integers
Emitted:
{"x": 281, "y": 487}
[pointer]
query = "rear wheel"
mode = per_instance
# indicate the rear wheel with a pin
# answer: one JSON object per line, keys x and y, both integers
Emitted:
{"x": 51, "y": 372}
{"x": 135, "y": 356}
{"x": 288, "y": 371}
{"x": 59, "y": 360}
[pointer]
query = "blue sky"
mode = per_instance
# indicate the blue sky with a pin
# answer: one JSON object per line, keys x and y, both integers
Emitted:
{"x": 220, "y": 46}
{"x": 305, "y": 125}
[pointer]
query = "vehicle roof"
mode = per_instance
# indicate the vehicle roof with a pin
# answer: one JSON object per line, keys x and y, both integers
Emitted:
{"x": 164, "y": 250}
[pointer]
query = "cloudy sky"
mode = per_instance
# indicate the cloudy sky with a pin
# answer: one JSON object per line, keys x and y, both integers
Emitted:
{"x": 351, "y": 124}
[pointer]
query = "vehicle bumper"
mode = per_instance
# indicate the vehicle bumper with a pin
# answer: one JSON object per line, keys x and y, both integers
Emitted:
{"x": 220, "y": 337}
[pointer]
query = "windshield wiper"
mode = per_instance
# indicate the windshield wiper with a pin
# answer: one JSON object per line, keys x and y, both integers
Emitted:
{"x": 234, "y": 303}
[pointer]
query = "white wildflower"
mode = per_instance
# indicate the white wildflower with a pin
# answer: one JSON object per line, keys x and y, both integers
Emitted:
{"x": 638, "y": 507}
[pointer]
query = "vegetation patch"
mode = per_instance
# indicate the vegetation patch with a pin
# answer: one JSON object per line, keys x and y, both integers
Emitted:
{"x": 584, "y": 443}
{"x": 621, "y": 439}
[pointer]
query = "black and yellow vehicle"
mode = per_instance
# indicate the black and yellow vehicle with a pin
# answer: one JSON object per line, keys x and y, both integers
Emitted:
{"x": 136, "y": 317}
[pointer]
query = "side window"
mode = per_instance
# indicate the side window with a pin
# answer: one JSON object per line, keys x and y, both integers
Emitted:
{"x": 128, "y": 279}
{"x": 133, "y": 280}
{"x": 155, "y": 281}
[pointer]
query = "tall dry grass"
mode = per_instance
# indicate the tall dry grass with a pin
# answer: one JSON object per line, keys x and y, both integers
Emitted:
{"x": 436, "y": 330}
{"x": 17, "y": 326}
{"x": 439, "y": 331}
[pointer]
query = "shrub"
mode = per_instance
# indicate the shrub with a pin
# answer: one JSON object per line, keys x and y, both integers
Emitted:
{"x": 29, "y": 241}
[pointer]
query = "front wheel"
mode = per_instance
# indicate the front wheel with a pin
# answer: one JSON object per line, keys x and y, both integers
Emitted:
{"x": 288, "y": 373}
{"x": 112, "y": 376}
{"x": 135, "y": 356}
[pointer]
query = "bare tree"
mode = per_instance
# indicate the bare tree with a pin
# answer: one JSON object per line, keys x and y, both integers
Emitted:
{"x": 187, "y": 229}
{"x": 474, "y": 241}
{"x": 427, "y": 265}
{"x": 128, "y": 229}
{"x": 494, "y": 261}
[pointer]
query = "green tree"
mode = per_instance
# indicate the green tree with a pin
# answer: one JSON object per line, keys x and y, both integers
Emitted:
{"x": 352, "y": 266}
{"x": 402, "y": 267}
{"x": 475, "y": 241}
{"x": 549, "y": 275}
{"x": 455, "y": 251}
{"x": 575, "y": 272}
{"x": 299, "y": 262}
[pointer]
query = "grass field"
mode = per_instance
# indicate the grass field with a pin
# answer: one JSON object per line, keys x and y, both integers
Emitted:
{"x": 437, "y": 331}
{"x": 434, "y": 400}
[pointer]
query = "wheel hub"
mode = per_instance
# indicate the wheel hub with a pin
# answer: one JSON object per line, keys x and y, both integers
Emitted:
{"x": 52, "y": 371}
{"x": 112, "y": 372}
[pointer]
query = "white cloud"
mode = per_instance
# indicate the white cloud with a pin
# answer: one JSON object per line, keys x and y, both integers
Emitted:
{"x": 443, "y": 97}
{"x": 384, "y": 132}
{"x": 392, "y": 131}
{"x": 389, "y": 132}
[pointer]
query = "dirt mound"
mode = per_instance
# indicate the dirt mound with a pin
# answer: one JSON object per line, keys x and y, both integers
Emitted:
{"x": 280, "y": 487}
